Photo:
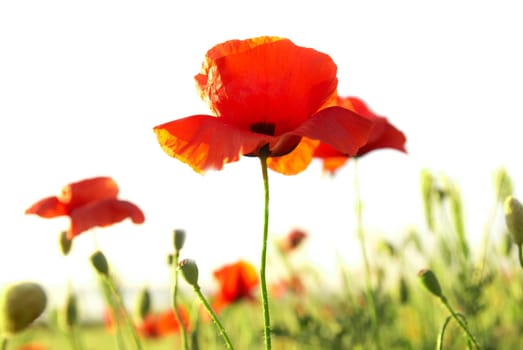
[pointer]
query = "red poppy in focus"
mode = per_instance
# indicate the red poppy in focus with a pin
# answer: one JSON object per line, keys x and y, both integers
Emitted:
{"x": 292, "y": 240}
{"x": 236, "y": 282}
{"x": 269, "y": 98}
{"x": 382, "y": 135}
{"x": 88, "y": 203}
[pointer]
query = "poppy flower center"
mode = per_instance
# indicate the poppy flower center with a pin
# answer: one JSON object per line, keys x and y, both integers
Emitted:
{"x": 264, "y": 128}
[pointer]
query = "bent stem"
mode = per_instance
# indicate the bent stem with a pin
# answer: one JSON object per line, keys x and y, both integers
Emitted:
{"x": 175, "y": 300}
{"x": 263, "y": 282}
{"x": 215, "y": 319}
{"x": 361, "y": 237}
{"x": 461, "y": 323}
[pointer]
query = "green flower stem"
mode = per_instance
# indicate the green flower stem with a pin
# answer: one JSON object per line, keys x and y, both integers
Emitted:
{"x": 115, "y": 312}
{"x": 460, "y": 322}
{"x": 520, "y": 256}
{"x": 215, "y": 319}
{"x": 121, "y": 308}
{"x": 74, "y": 338}
{"x": 5, "y": 341}
{"x": 175, "y": 300}
{"x": 361, "y": 237}
{"x": 263, "y": 281}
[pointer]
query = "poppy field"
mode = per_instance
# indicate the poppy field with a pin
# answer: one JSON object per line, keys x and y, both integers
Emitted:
{"x": 278, "y": 102}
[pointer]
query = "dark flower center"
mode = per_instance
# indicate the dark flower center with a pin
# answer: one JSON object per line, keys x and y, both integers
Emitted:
{"x": 264, "y": 128}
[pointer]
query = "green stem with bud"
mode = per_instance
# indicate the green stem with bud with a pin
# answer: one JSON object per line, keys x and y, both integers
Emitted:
{"x": 175, "y": 300}
{"x": 263, "y": 281}
{"x": 462, "y": 324}
{"x": 215, "y": 319}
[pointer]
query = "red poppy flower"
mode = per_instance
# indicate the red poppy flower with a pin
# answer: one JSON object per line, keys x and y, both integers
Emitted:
{"x": 236, "y": 281}
{"x": 88, "y": 203}
{"x": 267, "y": 94}
{"x": 292, "y": 285}
{"x": 32, "y": 346}
{"x": 382, "y": 135}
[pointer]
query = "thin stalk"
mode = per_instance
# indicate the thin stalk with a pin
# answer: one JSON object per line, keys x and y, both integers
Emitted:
{"x": 520, "y": 256}
{"x": 5, "y": 341}
{"x": 176, "y": 257}
{"x": 361, "y": 237}
{"x": 121, "y": 308}
{"x": 115, "y": 313}
{"x": 460, "y": 322}
{"x": 215, "y": 319}
{"x": 263, "y": 281}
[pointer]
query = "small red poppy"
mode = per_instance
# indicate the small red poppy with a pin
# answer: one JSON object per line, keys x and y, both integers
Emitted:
{"x": 267, "y": 95}
{"x": 88, "y": 203}
{"x": 236, "y": 281}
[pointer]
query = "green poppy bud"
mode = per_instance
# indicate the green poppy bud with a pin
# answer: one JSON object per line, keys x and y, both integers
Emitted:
{"x": 189, "y": 271}
{"x": 430, "y": 282}
{"x": 514, "y": 219}
{"x": 99, "y": 262}
{"x": 142, "y": 307}
{"x": 70, "y": 312}
{"x": 20, "y": 304}
{"x": 65, "y": 243}
{"x": 179, "y": 239}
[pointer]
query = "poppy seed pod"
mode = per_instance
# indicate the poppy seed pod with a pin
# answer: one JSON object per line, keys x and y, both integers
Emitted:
{"x": 514, "y": 218}
{"x": 179, "y": 239}
{"x": 70, "y": 315}
{"x": 142, "y": 306}
{"x": 99, "y": 262}
{"x": 65, "y": 243}
{"x": 430, "y": 281}
{"x": 20, "y": 304}
{"x": 190, "y": 271}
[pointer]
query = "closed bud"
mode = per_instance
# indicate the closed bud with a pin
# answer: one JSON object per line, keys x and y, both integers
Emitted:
{"x": 65, "y": 243}
{"x": 142, "y": 306}
{"x": 70, "y": 315}
{"x": 189, "y": 271}
{"x": 514, "y": 219}
{"x": 99, "y": 262}
{"x": 403, "y": 291}
{"x": 179, "y": 239}
{"x": 430, "y": 282}
{"x": 20, "y": 304}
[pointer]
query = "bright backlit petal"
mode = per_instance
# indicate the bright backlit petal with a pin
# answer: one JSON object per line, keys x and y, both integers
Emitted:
{"x": 103, "y": 213}
{"x": 48, "y": 208}
{"x": 82, "y": 192}
{"x": 206, "y": 142}
{"x": 338, "y": 127}
{"x": 296, "y": 161}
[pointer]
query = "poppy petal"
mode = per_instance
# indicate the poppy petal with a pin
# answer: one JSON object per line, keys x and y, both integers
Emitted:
{"x": 49, "y": 207}
{"x": 206, "y": 142}
{"x": 103, "y": 213}
{"x": 338, "y": 127}
{"x": 82, "y": 192}
{"x": 236, "y": 281}
{"x": 259, "y": 80}
{"x": 296, "y": 161}
{"x": 384, "y": 135}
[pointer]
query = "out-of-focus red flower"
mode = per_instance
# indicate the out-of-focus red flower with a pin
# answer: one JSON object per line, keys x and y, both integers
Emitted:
{"x": 382, "y": 135}
{"x": 269, "y": 97}
{"x": 292, "y": 240}
{"x": 88, "y": 203}
{"x": 292, "y": 285}
{"x": 32, "y": 346}
{"x": 156, "y": 325}
{"x": 236, "y": 281}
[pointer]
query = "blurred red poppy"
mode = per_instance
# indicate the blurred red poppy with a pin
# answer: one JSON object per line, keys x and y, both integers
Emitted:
{"x": 88, "y": 203}
{"x": 292, "y": 285}
{"x": 382, "y": 135}
{"x": 165, "y": 323}
{"x": 268, "y": 95}
{"x": 32, "y": 346}
{"x": 292, "y": 240}
{"x": 236, "y": 281}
